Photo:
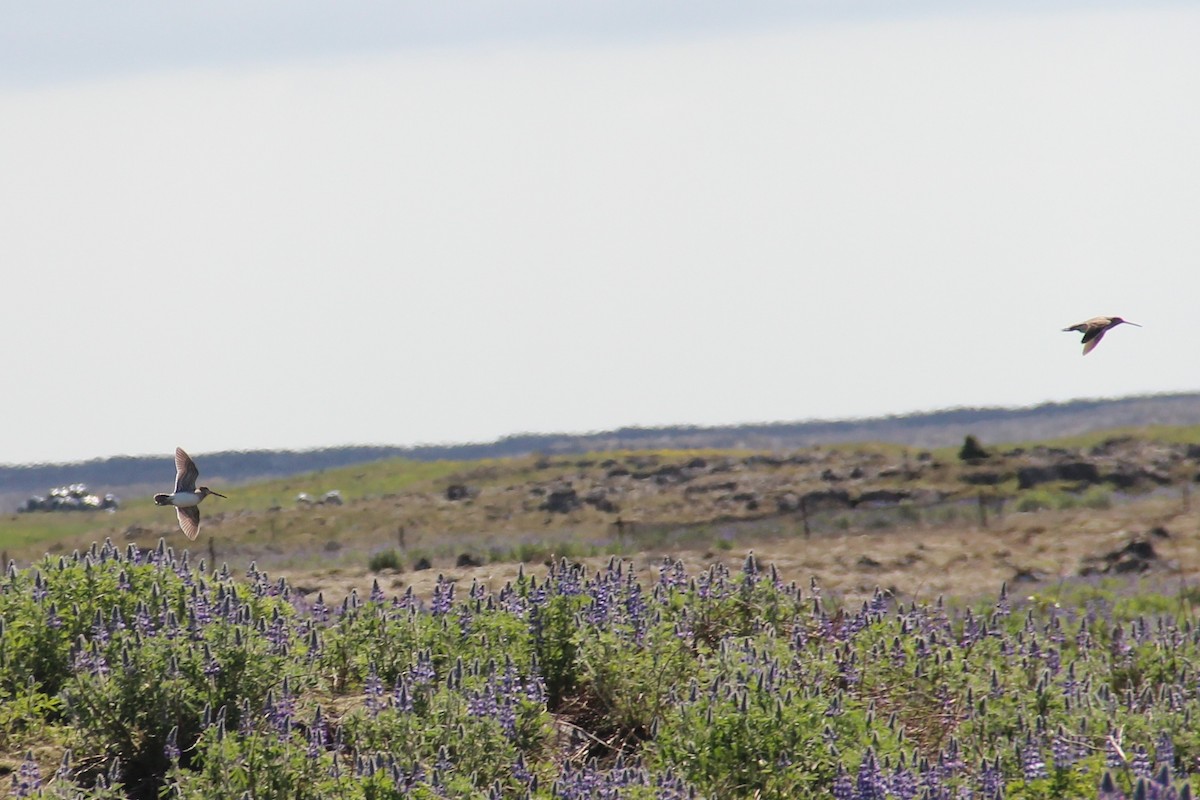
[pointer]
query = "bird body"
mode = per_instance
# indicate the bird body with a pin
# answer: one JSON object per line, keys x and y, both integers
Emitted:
{"x": 186, "y": 497}
{"x": 180, "y": 499}
{"x": 1093, "y": 330}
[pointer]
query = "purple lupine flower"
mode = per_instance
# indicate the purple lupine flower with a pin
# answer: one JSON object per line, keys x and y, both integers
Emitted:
{"x": 422, "y": 672}
{"x": 171, "y": 748}
{"x": 599, "y": 612}
{"x": 1113, "y": 757}
{"x": 99, "y": 630}
{"x": 89, "y": 659}
{"x": 320, "y": 611}
{"x": 374, "y": 691}
{"x": 53, "y": 620}
{"x": 871, "y": 783}
{"x": 465, "y": 620}
{"x": 443, "y": 597}
{"x": 443, "y": 763}
{"x": 276, "y": 633}
{"x": 903, "y": 784}
{"x": 317, "y": 736}
{"x": 1032, "y": 764}
{"x": 1164, "y": 750}
{"x": 1063, "y": 750}
{"x": 842, "y": 788}
{"x": 212, "y": 667}
{"x": 991, "y": 779}
{"x": 1108, "y": 788}
{"x": 401, "y": 696}
{"x": 1141, "y": 765}
{"x": 28, "y": 778}
{"x": 281, "y": 709}
{"x": 39, "y": 586}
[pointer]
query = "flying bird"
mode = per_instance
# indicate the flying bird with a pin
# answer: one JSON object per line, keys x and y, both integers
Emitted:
{"x": 186, "y": 497}
{"x": 1093, "y": 330}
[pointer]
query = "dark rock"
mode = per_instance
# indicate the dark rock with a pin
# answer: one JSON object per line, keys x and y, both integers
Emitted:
{"x": 668, "y": 474}
{"x": 618, "y": 472}
{"x": 1030, "y": 476}
{"x": 1122, "y": 478}
{"x": 1027, "y": 575}
{"x": 1160, "y": 532}
{"x": 763, "y": 460}
{"x": 831, "y": 476}
{"x": 882, "y": 497}
{"x": 1136, "y": 556}
{"x": 457, "y": 491}
{"x": 983, "y": 478}
{"x": 422, "y": 563}
{"x": 1129, "y": 476}
{"x": 866, "y": 562}
{"x": 598, "y": 499}
{"x": 857, "y": 473}
{"x": 697, "y": 463}
{"x": 1081, "y": 471}
{"x": 787, "y": 503}
{"x": 1138, "y": 548}
{"x": 702, "y": 488}
{"x": 831, "y": 499}
{"x": 468, "y": 560}
{"x": 561, "y": 501}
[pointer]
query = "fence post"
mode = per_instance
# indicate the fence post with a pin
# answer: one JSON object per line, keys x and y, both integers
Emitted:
{"x": 983, "y": 523}
{"x": 804, "y": 516}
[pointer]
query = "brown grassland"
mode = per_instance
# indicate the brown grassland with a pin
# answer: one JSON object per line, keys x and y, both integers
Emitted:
{"x": 919, "y": 524}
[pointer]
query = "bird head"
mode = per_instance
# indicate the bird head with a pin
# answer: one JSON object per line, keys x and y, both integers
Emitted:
{"x": 1119, "y": 321}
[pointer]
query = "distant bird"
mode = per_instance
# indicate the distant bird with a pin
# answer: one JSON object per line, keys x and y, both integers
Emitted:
{"x": 186, "y": 497}
{"x": 1093, "y": 330}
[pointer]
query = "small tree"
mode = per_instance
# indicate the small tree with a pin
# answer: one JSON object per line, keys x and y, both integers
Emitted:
{"x": 972, "y": 450}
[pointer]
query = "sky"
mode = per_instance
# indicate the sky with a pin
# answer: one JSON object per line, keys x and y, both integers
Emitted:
{"x": 237, "y": 226}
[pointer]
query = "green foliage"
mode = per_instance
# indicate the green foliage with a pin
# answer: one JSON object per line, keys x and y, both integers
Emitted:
{"x": 386, "y": 559}
{"x": 171, "y": 681}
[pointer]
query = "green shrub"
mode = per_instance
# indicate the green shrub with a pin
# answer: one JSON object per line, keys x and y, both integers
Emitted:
{"x": 386, "y": 559}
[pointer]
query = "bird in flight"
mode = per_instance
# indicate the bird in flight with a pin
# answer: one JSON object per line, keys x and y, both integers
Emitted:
{"x": 186, "y": 497}
{"x": 1093, "y": 330}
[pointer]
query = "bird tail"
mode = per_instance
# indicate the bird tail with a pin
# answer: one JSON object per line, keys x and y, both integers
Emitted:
{"x": 162, "y": 499}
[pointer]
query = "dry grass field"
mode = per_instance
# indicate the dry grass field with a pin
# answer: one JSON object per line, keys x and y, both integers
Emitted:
{"x": 920, "y": 524}
{"x": 1032, "y": 551}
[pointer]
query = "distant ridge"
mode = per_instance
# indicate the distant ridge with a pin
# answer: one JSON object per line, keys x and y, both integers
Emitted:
{"x": 926, "y": 429}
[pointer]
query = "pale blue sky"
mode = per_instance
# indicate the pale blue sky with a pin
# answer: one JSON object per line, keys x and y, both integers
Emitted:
{"x": 228, "y": 226}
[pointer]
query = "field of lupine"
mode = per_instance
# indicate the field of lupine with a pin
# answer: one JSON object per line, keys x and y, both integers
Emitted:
{"x": 147, "y": 674}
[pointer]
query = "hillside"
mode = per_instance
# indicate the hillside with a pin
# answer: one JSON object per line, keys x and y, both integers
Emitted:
{"x": 141, "y": 474}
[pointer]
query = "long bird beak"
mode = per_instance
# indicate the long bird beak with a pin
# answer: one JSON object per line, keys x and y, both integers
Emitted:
{"x": 1134, "y": 324}
{"x": 218, "y": 494}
